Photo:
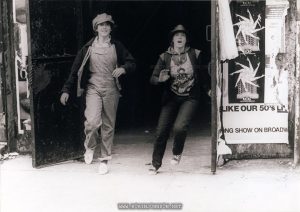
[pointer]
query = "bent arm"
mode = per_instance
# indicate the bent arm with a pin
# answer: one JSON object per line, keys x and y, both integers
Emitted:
{"x": 129, "y": 63}
{"x": 160, "y": 65}
{"x": 73, "y": 75}
{"x": 203, "y": 75}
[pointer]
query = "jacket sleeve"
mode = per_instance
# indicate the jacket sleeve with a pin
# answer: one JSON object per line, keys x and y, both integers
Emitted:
{"x": 160, "y": 65}
{"x": 128, "y": 62}
{"x": 203, "y": 75}
{"x": 71, "y": 81}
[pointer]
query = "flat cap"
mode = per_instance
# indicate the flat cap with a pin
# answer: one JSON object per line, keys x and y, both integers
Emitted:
{"x": 101, "y": 19}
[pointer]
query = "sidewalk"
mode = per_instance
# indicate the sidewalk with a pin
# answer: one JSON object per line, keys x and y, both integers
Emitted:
{"x": 248, "y": 185}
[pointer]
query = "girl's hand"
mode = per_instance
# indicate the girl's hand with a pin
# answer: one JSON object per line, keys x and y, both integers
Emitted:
{"x": 64, "y": 98}
{"x": 118, "y": 72}
{"x": 164, "y": 75}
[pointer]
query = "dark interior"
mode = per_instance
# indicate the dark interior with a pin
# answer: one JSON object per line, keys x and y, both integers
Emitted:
{"x": 144, "y": 28}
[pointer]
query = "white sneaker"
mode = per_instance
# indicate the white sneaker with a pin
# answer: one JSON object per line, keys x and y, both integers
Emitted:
{"x": 103, "y": 168}
{"x": 153, "y": 171}
{"x": 88, "y": 156}
{"x": 175, "y": 160}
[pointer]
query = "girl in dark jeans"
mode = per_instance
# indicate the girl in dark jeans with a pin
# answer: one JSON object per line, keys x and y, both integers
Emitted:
{"x": 179, "y": 70}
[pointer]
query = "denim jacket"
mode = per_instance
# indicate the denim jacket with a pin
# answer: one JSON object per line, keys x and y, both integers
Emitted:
{"x": 80, "y": 71}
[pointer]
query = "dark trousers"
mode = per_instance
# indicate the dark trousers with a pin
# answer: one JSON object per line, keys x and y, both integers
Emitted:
{"x": 177, "y": 112}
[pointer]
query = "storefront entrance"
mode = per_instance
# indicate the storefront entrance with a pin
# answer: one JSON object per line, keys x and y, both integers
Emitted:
{"x": 59, "y": 29}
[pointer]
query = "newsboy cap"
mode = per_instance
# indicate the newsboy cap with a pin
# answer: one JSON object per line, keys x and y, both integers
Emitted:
{"x": 178, "y": 28}
{"x": 101, "y": 19}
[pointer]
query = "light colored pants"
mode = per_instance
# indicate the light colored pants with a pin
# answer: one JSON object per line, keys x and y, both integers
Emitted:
{"x": 100, "y": 112}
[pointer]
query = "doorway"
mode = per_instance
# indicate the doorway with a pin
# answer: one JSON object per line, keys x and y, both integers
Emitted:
{"x": 59, "y": 29}
{"x": 144, "y": 28}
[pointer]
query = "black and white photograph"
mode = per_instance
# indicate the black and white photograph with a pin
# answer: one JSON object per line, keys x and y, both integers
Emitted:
{"x": 162, "y": 105}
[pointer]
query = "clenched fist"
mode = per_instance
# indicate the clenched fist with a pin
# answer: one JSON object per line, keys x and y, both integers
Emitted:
{"x": 164, "y": 75}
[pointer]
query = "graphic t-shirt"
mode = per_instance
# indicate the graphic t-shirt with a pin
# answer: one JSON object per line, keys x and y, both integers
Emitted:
{"x": 182, "y": 74}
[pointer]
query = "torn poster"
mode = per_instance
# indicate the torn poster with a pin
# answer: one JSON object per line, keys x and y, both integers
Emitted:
{"x": 255, "y": 95}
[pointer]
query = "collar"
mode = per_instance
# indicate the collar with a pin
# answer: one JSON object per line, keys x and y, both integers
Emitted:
{"x": 106, "y": 43}
{"x": 173, "y": 52}
{"x": 90, "y": 42}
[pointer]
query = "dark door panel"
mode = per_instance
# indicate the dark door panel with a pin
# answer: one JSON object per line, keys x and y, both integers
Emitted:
{"x": 57, "y": 129}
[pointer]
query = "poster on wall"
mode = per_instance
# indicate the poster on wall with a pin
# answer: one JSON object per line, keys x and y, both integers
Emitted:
{"x": 246, "y": 83}
{"x": 21, "y": 55}
{"x": 255, "y": 100}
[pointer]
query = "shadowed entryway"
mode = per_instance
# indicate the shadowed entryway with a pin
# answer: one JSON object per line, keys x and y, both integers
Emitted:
{"x": 143, "y": 27}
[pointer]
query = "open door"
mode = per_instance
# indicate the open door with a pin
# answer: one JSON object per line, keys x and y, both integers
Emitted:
{"x": 57, "y": 130}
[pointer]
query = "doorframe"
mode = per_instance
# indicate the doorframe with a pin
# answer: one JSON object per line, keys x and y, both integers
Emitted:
{"x": 8, "y": 73}
{"x": 297, "y": 88}
{"x": 30, "y": 80}
{"x": 2, "y": 76}
{"x": 214, "y": 71}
